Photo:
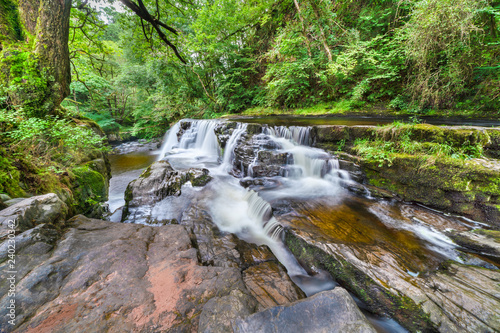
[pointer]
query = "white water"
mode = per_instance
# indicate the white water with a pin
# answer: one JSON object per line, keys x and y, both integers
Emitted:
{"x": 227, "y": 160}
{"x": 169, "y": 140}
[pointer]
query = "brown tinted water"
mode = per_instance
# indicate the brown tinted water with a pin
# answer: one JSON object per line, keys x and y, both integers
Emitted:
{"x": 351, "y": 221}
{"x": 124, "y": 169}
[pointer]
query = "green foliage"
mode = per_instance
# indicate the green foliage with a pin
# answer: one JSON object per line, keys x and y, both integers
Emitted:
{"x": 55, "y": 139}
{"x": 26, "y": 81}
{"x": 9, "y": 176}
{"x": 444, "y": 42}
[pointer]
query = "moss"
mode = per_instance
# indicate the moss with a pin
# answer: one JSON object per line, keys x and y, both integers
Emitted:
{"x": 9, "y": 177}
{"x": 377, "y": 299}
{"x": 89, "y": 190}
{"x": 10, "y": 25}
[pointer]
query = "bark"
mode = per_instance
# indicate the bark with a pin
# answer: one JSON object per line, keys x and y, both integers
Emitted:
{"x": 46, "y": 27}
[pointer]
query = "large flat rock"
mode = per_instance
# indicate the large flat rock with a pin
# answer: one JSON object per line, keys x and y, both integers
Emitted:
{"x": 328, "y": 311}
{"x": 113, "y": 277}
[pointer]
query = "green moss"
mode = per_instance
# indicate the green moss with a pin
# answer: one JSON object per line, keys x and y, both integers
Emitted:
{"x": 10, "y": 25}
{"x": 9, "y": 177}
{"x": 89, "y": 190}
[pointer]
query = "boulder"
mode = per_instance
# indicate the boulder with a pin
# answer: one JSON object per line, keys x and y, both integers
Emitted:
{"x": 219, "y": 312}
{"x": 161, "y": 180}
{"x": 155, "y": 184}
{"x": 120, "y": 278}
{"x": 328, "y": 311}
{"x": 28, "y": 213}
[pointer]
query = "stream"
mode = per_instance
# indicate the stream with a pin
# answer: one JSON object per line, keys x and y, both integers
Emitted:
{"x": 265, "y": 182}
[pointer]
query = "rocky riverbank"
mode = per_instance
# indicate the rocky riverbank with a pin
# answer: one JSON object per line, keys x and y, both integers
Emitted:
{"x": 180, "y": 261}
{"x": 115, "y": 277}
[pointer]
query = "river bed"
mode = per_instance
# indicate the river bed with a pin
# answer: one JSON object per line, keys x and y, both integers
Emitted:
{"x": 308, "y": 193}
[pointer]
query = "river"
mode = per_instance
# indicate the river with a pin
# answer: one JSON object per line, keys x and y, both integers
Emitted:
{"x": 268, "y": 181}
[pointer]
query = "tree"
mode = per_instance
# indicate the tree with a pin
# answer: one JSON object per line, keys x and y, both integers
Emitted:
{"x": 34, "y": 46}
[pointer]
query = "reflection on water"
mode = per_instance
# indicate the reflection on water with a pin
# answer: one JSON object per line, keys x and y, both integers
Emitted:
{"x": 124, "y": 169}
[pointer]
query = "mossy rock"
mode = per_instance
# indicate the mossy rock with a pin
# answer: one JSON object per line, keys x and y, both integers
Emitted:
{"x": 9, "y": 177}
{"x": 376, "y": 298}
{"x": 456, "y": 186}
{"x": 90, "y": 189}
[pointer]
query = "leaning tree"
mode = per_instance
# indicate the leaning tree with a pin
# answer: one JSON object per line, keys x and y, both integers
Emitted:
{"x": 34, "y": 55}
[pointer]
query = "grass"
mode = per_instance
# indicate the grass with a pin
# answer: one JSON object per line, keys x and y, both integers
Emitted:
{"x": 396, "y": 138}
{"x": 340, "y": 107}
{"x": 343, "y": 107}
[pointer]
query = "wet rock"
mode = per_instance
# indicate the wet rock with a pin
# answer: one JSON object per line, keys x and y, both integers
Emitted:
{"x": 161, "y": 180}
{"x": 454, "y": 298}
{"x": 254, "y": 149}
{"x": 119, "y": 277}
{"x": 47, "y": 208}
{"x": 269, "y": 283}
{"x": 478, "y": 241}
{"x": 328, "y": 311}
{"x": 470, "y": 188}
{"x": 184, "y": 126}
{"x": 252, "y": 254}
{"x": 214, "y": 247}
{"x": 219, "y": 312}
{"x": 269, "y": 163}
{"x": 223, "y": 132}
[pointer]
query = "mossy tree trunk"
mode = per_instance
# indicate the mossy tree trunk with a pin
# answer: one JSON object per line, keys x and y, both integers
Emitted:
{"x": 41, "y": 29}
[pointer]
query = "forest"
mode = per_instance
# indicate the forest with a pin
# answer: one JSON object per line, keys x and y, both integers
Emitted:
{"x": 135, "y": 67}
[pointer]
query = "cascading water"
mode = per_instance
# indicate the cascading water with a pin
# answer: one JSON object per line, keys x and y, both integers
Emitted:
{"x": 228, "y": 157}
{"x": 169, "y": 140}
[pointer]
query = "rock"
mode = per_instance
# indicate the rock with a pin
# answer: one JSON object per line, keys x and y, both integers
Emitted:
{"x": 219, "y": 312}
{"x": 28, "y": 213}
{"x": 269, "y": 283}
{"x": 269, "y": 163}
{"x": 161, "y": 180}
{"x": 479, "y": 241}
{"x": 14, "y": 201}
{"x": 215, "y": 248}
{"x": 252, "y": 254}
{"x": 120, "y": 278}
{"x": 157, "y": 183}
{"x": 328, "y": 311}
{"x": 4, "y": 197}
{"x": 450, "y": 298}
{"x": 470, "y": 188}
{"x": 251, "y": 149}
{"x": 90, "y": 187}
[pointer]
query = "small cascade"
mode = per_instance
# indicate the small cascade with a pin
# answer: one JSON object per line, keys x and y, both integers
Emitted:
{"x": 227, "y": 160}
{"x": 170, "y": 140}
{"x": 299, "y": 135}
{"x": 201, "y": 136}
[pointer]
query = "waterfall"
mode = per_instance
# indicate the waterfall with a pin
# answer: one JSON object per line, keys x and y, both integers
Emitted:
{"x": 169, "y": 140}
{"x": 201, "y": 136}
{"x": 299, "y": 135}
{"x": 227, "y": 160}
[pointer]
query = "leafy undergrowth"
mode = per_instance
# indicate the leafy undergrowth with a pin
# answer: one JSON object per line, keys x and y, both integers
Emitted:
{"x": 37, "y": 154}
{"x": 347, "y": 107}
{"x": 397, "y": 138}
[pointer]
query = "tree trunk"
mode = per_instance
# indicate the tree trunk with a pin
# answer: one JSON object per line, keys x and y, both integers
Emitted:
{"x": 45, "y": 25}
